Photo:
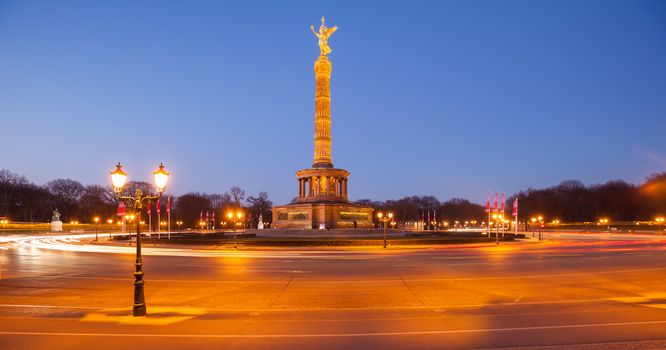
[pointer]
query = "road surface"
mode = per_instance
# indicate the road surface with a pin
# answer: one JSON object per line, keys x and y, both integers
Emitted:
{"x": 594, "y": 291}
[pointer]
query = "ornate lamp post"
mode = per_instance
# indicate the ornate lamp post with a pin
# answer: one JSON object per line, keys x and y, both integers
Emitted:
{"x": 385, "y": 219}
{"x": 234, "y": 220}
{"x": 118, "y": 178}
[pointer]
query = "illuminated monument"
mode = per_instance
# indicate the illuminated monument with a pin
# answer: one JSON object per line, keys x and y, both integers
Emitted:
{"x": 322, "y": 200}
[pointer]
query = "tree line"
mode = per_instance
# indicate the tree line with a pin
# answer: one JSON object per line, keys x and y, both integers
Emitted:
{"x": 24, "y": 201}
{"x": 570, "y": 201}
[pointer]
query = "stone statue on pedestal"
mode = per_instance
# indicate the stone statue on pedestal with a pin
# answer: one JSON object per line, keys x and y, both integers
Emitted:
{"x": 56, "y": 224}
{"x": 261, "y": 223}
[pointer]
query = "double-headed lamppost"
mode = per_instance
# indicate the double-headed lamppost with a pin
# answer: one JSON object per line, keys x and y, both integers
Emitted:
{"x": 118, "y": 178}
{"x": 234, "y": 220}
{"x": 603, "y": 222}
{"x": 540, "y": 218}
{"x": 385, "y": 219}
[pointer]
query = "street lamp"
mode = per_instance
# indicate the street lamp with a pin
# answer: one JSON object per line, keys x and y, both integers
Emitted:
{"x": 118, "y": 178}
{"x": 660, "y": 220}
{"x": 179, "y": 223}
{"x": 497, "y": 218}
{"x": 234, "y": 219}
{"x": 110, "y": 222}
{"x": 540, "y": 218}
{"x": 96, "y": 220}
{"x": 603, "y": 222}
{"x": 385, "y": 219}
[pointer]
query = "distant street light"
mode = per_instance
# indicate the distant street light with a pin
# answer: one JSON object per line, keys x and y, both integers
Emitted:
{"x": 385, "y": 219}
{"x": 234, "y": 219}
{"x": 540, "y": 227}
{"x": 118, "y": 178}
{"x": 179, "y": 223}
{"x": 96, "y": 220}
{"x": 604, "y": 222}
{"x": 110, "y": 222}
{"x": 660, "y": 220}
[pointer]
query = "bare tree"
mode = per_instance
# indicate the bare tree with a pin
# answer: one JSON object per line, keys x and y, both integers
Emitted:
{"x": 260, "y": 205}
{"x": 237, "y": 195}
{"x": 9, "y": 183}
{"x": 218, "y": 201}
{"x": 66, "y": 193}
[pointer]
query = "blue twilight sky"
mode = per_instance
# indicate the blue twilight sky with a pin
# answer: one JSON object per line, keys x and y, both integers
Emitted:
{"x": 448, "y": 98}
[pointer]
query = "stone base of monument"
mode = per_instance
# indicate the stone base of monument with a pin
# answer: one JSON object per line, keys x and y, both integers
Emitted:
{"x": 56, "y": 226}
{"x": 322, "y": 215}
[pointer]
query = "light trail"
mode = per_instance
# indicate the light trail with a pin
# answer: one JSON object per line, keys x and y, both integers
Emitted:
{"x": 77, "y": 243}
{"x": 72, "y": 243}
{"x": 342, "y": 335}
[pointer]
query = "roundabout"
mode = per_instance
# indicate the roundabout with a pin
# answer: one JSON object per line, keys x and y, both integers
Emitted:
{"x": 70, "y": 292}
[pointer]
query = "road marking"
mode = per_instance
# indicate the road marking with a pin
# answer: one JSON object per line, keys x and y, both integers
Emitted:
{"x": 647, "y": 344}
{"x": 337, "y": 335}
{"x": 414, "y": 307}
{"x": 563, "y": 255}
{"x": 365, "y": 281}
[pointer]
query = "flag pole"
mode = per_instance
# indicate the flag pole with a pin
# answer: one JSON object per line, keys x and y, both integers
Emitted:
{"x": 159, "y": 219}
{"x": 516, "y": 227}
{"x": 488, "y": 224}
{"x": 503, "y": 212}
{"x": 150, "y": 218}
{"x": 169, "y": 213}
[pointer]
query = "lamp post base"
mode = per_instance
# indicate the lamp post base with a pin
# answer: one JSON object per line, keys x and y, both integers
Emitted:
{"x": 139, "y": 310}
{"x": 139, "y": 307}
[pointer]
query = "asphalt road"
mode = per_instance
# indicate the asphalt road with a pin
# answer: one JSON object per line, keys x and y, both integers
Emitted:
{"x": 593, "y": 291}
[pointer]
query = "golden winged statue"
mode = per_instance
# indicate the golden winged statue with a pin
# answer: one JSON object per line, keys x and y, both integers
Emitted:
{"x": 323, "y": 35}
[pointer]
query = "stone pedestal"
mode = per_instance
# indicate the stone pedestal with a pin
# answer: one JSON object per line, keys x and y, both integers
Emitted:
{"x": 56, "y": 226}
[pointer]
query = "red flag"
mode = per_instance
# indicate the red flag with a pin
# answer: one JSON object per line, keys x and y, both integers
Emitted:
{"x": 206, "y": 215}
{"x": 148, "y": 208}
{"x": 515, "y": 207}
{"x": 158, "y": 205}
{"x": 168, "y": 208}
{"x": 503, "y": 200}
{"x": 488, "y": 203}
{"x": 428, "y": 218}
{"x": 121, "y": 209}
{"x": 495, "y": 201}
{"x": 213, "y": 217}
{"x": 201, "y": 215}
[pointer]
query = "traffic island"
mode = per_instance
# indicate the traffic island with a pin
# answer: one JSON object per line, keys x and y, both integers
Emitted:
{"x": 315, "y": 238}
